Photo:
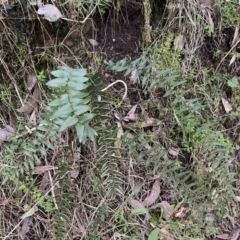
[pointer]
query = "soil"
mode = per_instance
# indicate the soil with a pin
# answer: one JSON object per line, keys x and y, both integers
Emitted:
{"x": 120, "y": 33}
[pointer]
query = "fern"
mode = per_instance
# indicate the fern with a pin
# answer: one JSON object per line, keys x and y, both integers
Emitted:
{"x": 198, "y": 137}
{"x": 72, "y": 106}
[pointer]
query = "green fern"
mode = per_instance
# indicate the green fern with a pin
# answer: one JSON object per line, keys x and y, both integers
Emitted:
{"x": 72, "y": 105}
{"x": 199, "y": 138}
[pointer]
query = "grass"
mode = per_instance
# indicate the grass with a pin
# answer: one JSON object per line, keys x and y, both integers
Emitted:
{"x": 64, "y": 182}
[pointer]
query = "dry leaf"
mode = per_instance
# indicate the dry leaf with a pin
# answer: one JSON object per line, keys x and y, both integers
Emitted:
{"x": 28, "y": 108}
{"x": 151, "y": 122}
{"x": 133, "y": 75}
{"x": 93, "y": 42}
{"x": 13, "y": 121}
{"x": 235, "y": 36}
{"x": 136, "y": 204}
{"x": 41, "y": 169}
{"x": 27, "y": 222}
{"x": 149, "y": 200}
{"x": 76, "y": 170}
{"x": 165, "y": 234}
{"x": 167, "y": 209}
{"x": 32, "y": 79}
{"x": 223, "y": 236}
{"x": 33, "y": 119}
{"x": 44, "y": 182}
{"x": 6, "y": 132}
{"x": 179, "y": 43}
{"x": 50, "y": 12}
{"x": 235, "y": 234}
{"x": 182, "y": 212}
{"x": 118, "y": 143}
{"x": 173, "y": 152}
{"x": 132, "y": 116}
{"x": 227, "y": 106}
{"x": 232, "y": 60}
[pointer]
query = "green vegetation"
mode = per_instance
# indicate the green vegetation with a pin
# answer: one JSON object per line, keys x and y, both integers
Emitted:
{"x": 80, "y": 160}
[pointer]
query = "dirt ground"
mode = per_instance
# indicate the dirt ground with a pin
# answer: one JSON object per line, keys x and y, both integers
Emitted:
{"x": 120, "y": 33}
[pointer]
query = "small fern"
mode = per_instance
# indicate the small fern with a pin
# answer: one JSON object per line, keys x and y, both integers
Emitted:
{"x": 72, "y": 106}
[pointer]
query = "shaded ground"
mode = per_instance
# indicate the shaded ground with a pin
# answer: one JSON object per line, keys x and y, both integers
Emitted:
{"x": 120, "y": 33}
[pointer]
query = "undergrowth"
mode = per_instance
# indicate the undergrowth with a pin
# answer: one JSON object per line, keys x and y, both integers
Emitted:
{"x": 190, "y": 152}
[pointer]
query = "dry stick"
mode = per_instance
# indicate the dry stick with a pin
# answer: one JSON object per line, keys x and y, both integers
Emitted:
{"x": 227, "y": 54}
{"x": 117, "y": 81}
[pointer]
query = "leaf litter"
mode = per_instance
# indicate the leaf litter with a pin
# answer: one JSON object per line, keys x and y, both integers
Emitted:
{"x": 153, "y": 196}
{"x": 29, "y": 106}
{"x": 131, "y": 115}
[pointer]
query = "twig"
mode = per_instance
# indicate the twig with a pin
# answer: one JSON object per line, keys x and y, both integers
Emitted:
{"x": 227, "y": 54}
{"x": 117, "y": 81}
{"x": 34, "y": 206}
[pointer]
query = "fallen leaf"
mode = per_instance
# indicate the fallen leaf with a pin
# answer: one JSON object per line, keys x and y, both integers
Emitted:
{"x": 75, "y": 171}
{"x": 139, "y": 208}
{"x": 166, "y": 235}
{"x": 182, "y": 212}
{"x": 235, "y": 36}
{"x": 173, "y": 152}
{"x": 179, "y": 43}
{"x": 6, "y": 132}
{"x": 28, "y": 108}
{"x": 32, "y": 79}
{"x": 27, "y": 222}
{"x": 167, "y": 209}
{"x": 232, "y": 60}
{"x": 223, "y": 236}
{"x": 136, "y": 204}
{"x": 131, "y": 115}
{"x": 133, "y": 76}
{"x": 33, "y": 119}
{"x": 227, "y": 106}
{"x": 118, "y": 143}
{"x": 235, "y": 234}
{"x": 13, "y": 121}
{"x": 238, "y": 198}
{"x": 44, "y": 182}
{"x": 151, "y": 122}
{"x": 149, "y": 200}
{"x": 93, "y": 42}
{"x": 41, "y": 169}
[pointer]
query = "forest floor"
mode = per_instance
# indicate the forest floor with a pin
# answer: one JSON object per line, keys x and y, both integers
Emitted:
{"x": 165, "y": 161}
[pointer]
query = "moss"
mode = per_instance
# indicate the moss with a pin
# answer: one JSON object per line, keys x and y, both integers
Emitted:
{"x": 147, "y": 27}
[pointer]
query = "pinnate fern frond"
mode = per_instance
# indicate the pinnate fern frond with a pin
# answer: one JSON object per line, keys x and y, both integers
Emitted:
{"x": 73, "y": 106}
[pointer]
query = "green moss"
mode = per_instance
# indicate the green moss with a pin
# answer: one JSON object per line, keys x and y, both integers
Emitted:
{"x": 167, "y": 58}
{"x": 230, "y": 13}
